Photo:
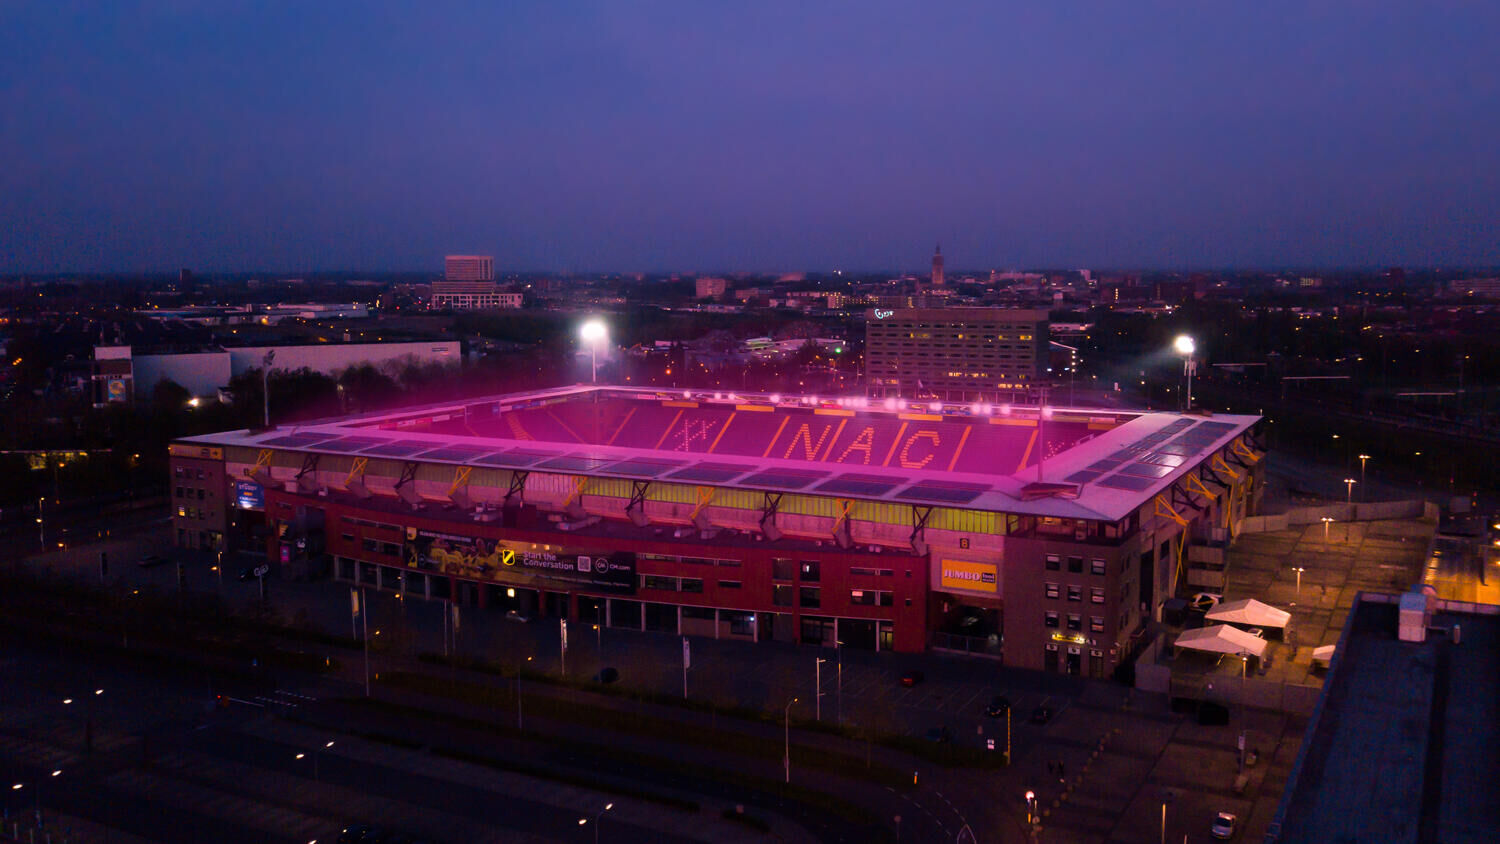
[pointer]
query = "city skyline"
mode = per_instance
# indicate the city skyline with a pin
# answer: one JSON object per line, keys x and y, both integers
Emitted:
{"x": 580, "y": 138}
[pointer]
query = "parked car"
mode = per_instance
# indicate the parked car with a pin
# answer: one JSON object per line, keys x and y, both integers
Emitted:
{"x": 152, "y": 561}
{"x": 1223, "y": 826}
{"x": 911, "y": 678}
{"x": 998, "y": 706}
{"x": 517, "y": 616}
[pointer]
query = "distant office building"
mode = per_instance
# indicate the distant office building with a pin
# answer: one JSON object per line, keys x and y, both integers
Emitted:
{"x": 711, "y": 288}
{"x": 937, "y": 266}
{"x": 1485, "y": 288}
{"x": 469, "y": 268}
{"x": 471, "y": 295}
{"x": 956, "y": 354}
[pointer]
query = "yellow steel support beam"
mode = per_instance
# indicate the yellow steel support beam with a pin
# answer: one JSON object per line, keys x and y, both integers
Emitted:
{"x": 460, "y": 478}
{"x": 263, "y": 460}
{"x": 1164, "y": 508}
{"x": 1239, "y": 447}
{"x": 1195, "y": 484}
{"x": 357, "y": 470}
{"x": 845, "y": 507}
{"x": 1219, "y": 464}
{"x": 578, "y": 485}
{"x": 705, "y": 495}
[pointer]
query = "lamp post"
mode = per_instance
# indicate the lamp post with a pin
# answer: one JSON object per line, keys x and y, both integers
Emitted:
{"x": 1031, "y": 808}
{"x": 838, "y": 651}
{"x": 1185, "y": 346}
{"x": 1299, "y": 570}
{"x": 1327, "y": 520}
{"x": 593, "y": 333}
{"x": 1166, "y": 797}
{"x": 597, "y": 818}
{"x": 1350, "y": 482}
{"x": 818, "y": 683}
{"x": 786, "y": 753}
{"x": 1362, "y": 459}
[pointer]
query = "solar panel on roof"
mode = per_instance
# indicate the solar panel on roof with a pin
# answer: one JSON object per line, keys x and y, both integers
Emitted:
{"x": 456, "y": 453}
{"x": 643, "y": 468}
{"x": 1083, "y": 477}
{"x": 514, "y": 457}
{"x": 710, "y": 473}
{"x": 1145, "y": 470}
{"x": 784, "y": 478}
{"x": 871, "y": 485}
{"x": 1129, "y": 482}
{"x": 1217, "y": 427}
{"x": 951, "y": 493}
{"x": 298, "y": 440}
{"x": 1105, "y": 465}
{"x": 400, "y": 448}
{"x": 1177, "y": 448}
{"x": 574, "y": 463}
{"x": 1160, "y": 459}
{"x": 1126, "y": 453}
{"x": 346, "y": 445}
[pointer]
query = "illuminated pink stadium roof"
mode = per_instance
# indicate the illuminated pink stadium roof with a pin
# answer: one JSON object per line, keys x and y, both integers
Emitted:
{"x": 972, "y": 456}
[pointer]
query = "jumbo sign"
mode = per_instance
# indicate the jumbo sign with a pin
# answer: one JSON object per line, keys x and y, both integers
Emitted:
{"x": 979, "y": 577}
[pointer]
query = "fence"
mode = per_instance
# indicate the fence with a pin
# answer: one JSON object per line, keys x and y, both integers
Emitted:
{"x": 1363, "y": 512}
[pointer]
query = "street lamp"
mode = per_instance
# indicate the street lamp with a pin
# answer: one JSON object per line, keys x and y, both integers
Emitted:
{"x": 818, "y": 682}
{"x": 593, "y": 333}
{"x": 1031, "y": 808}
{"x": 1327, "y": 520}
{"x": 1185, "y": 346}
{"x": 597, "y": 818}
{"x": 786, "y": 754}
{"x": 1350, "y": 482}
{"x": 1299, "y": 570}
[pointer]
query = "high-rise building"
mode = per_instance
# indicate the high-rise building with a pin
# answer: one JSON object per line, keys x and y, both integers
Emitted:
{"x": 937, "y": 266}
{"x": 956, "y": 354}
{"x": 471, "y": 295}
{"x": 469, "y": 268}
{"x": 711, "y": 288}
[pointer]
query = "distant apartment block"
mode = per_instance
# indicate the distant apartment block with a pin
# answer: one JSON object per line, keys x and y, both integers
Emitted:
{"x": 469, "y": 268}
{"x": 471, "y": 295}
{"x": 711, "y": 288}
{"x": 956, "y": 354}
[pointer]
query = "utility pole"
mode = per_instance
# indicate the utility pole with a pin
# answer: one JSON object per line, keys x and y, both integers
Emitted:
{"x": 265, "y": 386}
{"x": 364, "y": 617}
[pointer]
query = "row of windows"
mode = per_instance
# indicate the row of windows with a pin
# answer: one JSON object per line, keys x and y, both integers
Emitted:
{"x": 1075, "y": 592}
{"x": 1075, "y": 621}
{"x": 812, "y": 597}
{"x": 186, "y": 512}
{"x": 187, "y": 492}
{"x": 692, "y": 561}
{"x": 1075, "y": 564}
{"x": 183, "y": 472}
{"x": 353, "y": 520}
{"x": 375, "y": 546}
{"x": 663, "y": 583}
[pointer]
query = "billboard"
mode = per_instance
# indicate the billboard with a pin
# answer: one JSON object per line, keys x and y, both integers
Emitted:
{"x": 978, "y": 577}
{"x": 249, "y": 495}
{"x": 488, "y": 559}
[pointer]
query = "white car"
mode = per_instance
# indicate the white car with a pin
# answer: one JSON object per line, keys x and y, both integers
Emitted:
{"x": 1223, "y": 826}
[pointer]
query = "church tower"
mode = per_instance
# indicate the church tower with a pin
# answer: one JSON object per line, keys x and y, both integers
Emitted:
{"x": 937, "y": 266}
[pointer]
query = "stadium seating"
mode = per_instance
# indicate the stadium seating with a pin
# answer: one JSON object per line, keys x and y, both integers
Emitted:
{"x": 987, "y": 445}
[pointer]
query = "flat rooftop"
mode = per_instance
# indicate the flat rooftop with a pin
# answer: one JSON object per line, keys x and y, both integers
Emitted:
{"x": 1405, "y": 743}
{"x": 976, "y": 456}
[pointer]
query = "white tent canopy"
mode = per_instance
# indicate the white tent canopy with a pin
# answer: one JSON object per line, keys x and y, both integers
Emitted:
{"x": 1222, "y": 639}
{"x": 1324, "y": 653}
{"x": 1249, "y": 611}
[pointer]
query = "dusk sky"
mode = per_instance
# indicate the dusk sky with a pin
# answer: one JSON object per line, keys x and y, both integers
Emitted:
{"x": 765, "y": 136}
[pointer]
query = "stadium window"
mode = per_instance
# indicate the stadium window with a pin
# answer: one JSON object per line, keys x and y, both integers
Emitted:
{"x": 1075, "y": 565}
{"x": 698, "y": 613}
{"x": 390, "y": 549}
{"x": 1075, "y": 621}
{"x": 1053, "y": 590}
{"x": 810, "y": 597}
{"x": 1075, "y": 593}
{"x": 369, "y": 544}
{"x": 1096, "y": 624}
{"x": 732, "y": 564}
{"x": 659, "y": 582}
{"x": 783, "y": 568}
{"x": 810, "y": 570}
{"x": 1054, "y": 562}
{"x": 781, "y": 596}
{"x": 730, "y": 584}
{"x": 1096, "y": 595}
{"x": 1096, "y": 566}
{"x": 347, "y": 537}
{"x": 1051, "y": 618}
{"x": 181, "y": 511}
{"x": 741, "y": 623}
{"x": 692, "y": 584}
{"x": 862, "y": 597}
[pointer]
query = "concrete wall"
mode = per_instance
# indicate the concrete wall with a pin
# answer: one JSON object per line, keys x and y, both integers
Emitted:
{"x": 334, "y": 357}
{"x": 1371, "y": 511}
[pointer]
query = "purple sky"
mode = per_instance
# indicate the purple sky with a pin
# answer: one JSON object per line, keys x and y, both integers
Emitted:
{"x": 689, "y": 136}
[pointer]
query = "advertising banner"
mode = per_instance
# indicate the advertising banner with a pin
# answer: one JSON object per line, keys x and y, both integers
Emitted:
{"x": 249, "y": 495}
{"x": 975, "y": 577}
{"x": 487, "y": 559}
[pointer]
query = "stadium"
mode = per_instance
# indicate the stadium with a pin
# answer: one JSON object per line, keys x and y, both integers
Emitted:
{"x": 1042, "y": 536}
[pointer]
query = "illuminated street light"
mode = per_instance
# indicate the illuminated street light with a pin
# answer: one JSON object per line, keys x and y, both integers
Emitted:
{"x": 593, "y": 333}
{"x": 1362, "y": 459}
{"x": 1185, "y": 346}
{"x": 1327, "y": 520}
{"x": 1299, "y": 570}
{"x": 1350, "y": 482}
